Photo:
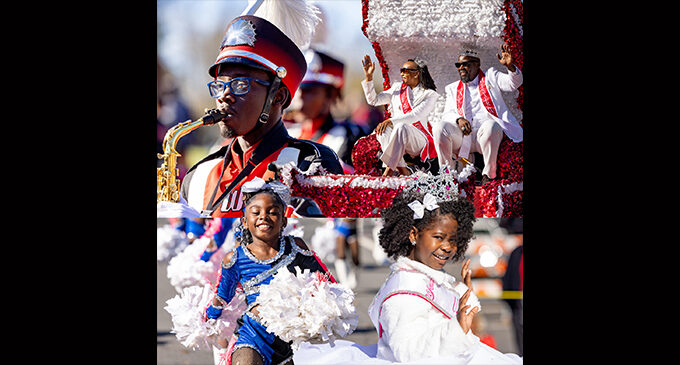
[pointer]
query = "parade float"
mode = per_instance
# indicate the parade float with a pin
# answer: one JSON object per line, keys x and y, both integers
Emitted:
{"x": 435, "y": 31}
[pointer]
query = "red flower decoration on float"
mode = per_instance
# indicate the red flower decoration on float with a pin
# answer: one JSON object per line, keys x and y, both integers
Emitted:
{"x": 514, "y": 15}
{"x": 343, "y": 201}
{"x": 359, "y": 196}
{"x": 365, "y": 156}
{"x": 512, "y": 204}
{"x": 510, "y": 161}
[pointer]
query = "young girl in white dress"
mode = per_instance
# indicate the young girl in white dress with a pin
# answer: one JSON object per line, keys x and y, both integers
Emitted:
{"x": 421, "y": 314}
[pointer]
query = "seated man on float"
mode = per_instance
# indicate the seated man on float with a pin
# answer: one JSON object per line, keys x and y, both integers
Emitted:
{"x": 475, "y": 115}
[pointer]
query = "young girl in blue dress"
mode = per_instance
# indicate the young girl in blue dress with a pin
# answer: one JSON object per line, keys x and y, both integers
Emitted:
{"x": 262, "y": 251}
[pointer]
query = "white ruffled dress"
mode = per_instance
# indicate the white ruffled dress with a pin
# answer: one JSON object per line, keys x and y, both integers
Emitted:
{"x": 419, "y": 328}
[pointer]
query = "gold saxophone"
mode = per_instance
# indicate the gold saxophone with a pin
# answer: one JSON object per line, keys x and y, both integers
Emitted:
{"x": 167, "y": 176}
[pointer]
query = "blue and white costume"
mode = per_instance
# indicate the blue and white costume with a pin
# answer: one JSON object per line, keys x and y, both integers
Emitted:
{"x": 250, "y": 272}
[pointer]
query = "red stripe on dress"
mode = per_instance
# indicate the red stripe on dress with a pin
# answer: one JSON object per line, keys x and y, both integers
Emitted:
{"x": 380, "y": 331}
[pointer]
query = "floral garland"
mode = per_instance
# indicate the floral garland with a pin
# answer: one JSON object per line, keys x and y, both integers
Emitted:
{"x": 357, "y": 196}
{"x": 505, "y": 191}
{"x": 363, "y": 199}
{"x": 501, "y": 198}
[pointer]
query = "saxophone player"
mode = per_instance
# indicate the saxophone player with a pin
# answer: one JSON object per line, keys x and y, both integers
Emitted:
{"x": 256, "y": 74}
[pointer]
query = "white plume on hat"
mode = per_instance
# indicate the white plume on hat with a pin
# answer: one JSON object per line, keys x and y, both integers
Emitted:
{"x": 295, "y": 18}
{"x": 320, "y": 35}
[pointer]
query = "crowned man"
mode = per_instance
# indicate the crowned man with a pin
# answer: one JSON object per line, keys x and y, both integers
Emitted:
{"x": 320, "y": 89}
{"x": 475, "y": 115}
{"x": 256, "y": 74}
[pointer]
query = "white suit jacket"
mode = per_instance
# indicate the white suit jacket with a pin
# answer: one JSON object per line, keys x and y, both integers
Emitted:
{"x": 423, "y": 102}
{"x": 496, "y": 82}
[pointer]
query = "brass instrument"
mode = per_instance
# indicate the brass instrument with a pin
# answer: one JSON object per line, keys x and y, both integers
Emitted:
{"x": 167, "y": 176}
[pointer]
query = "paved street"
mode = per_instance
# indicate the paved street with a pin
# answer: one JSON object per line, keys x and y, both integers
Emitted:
{"x": 370, "y": 277}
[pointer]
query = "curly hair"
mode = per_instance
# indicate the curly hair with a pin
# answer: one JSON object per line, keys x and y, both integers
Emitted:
{"x": 398, "y": 221}
{"x": 243, "y": 235}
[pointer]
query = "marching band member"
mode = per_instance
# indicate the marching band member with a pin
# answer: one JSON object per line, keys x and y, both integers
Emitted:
{"x": 320, "y": 89}
{"x": 256, "y": 74}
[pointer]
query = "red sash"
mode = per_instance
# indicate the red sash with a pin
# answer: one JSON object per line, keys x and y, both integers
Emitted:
{"x": 483, "y": 93}
{"x": 429, "y": 151}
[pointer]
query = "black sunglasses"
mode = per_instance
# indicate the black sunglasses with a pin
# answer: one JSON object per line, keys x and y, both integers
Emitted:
{"x": 464, "y": 64}
{"x": 402, "y": 70}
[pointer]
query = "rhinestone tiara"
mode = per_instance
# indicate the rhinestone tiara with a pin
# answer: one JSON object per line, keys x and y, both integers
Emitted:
{"x": 443, "y": 187}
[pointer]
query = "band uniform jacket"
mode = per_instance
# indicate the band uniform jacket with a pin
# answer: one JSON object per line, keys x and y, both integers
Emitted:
{"x": 277, "y": 146}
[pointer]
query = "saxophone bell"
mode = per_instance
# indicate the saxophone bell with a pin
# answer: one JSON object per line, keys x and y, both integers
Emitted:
{"x": 167, "y": 176}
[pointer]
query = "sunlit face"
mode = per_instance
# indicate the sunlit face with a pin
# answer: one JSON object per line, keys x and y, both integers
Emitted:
{"x": 409, "y": 74}
{"x": 243, "y": 110}
{"x": 264, "y": 217}
{"x": 468, "y": 68}
{"x": 436, "y": 243}
{"x": 316, "y": 101}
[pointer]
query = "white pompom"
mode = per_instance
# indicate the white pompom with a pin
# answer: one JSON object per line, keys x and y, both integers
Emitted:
{"x": 169, "y": 242}
{"x": 294, "y": 228}
{"x": 323, "y": 242}
{"x": 306, "y": 307}
{"x": 187, "y": 269}
{"x": 188, "y": 309}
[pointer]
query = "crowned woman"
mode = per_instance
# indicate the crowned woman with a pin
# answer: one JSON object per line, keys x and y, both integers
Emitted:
{"x": 410, "y": 101}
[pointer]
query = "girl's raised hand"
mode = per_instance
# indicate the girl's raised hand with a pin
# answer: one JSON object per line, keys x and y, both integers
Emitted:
{"x": 465, "y": 318}
{"x": 466, "y": 274}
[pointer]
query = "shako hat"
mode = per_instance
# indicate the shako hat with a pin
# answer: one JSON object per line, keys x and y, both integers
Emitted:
{"x": 323, "y": 69}
{"x": 255, "y": 42}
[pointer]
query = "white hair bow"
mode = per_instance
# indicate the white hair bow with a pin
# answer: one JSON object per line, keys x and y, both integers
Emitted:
{"x": 429, "y": 202}
{"x": 257, "y": 184}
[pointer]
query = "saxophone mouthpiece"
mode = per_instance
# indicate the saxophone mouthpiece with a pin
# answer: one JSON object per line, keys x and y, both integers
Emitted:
{"x": 213, "y": 116}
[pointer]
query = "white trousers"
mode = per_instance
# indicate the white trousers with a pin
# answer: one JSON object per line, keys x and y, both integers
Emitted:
{"x": 395, "y": 142}
{"x": 485, "y": 140}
